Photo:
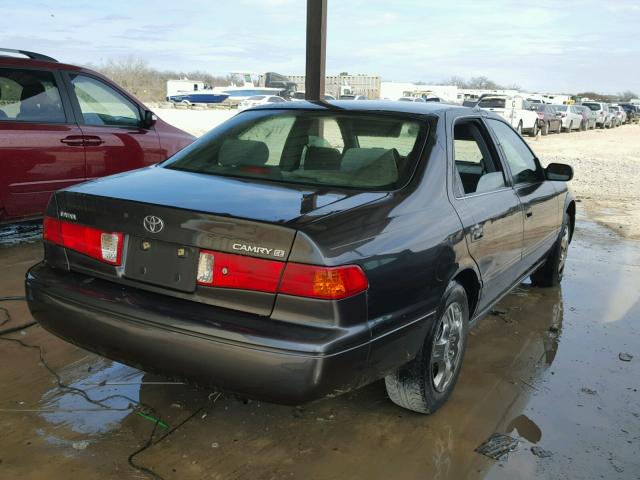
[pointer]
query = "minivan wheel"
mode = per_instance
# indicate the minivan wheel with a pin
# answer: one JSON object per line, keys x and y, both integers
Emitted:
{"x": 426, "y": 382}
{"x": 551, "y": 272}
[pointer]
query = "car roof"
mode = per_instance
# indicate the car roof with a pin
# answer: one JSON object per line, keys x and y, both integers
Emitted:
{"x": 7, "y": 60}
{"x": 387, "y": 106}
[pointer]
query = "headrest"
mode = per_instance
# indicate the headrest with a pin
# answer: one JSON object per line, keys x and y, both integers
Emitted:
{"x": 243, "y": 152}
{"x": 31, "y": 90}
{"x": 371, "y": 166}
{"x": 490, "y": 181}
{"x": 322, "y": 158}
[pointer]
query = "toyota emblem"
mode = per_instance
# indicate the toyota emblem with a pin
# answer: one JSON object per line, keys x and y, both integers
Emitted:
{"x": 153, "y": 224}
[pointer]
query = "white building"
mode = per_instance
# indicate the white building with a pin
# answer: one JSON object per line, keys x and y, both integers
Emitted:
{"x": 342, "y": 84}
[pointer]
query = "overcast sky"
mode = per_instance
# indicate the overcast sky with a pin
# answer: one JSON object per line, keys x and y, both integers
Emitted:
{"x": 559, "y": 46}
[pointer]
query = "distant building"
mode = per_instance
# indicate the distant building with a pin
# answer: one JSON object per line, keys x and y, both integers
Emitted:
{"x": 342, "y": 84}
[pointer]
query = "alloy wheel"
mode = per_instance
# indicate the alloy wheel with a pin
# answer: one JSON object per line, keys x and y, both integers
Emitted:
{"x": 445, "y": 353}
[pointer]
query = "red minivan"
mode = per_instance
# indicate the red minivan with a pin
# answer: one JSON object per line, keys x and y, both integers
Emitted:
{"x": 61, "y": 125}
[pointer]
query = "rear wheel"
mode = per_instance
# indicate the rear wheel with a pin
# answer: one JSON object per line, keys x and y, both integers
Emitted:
{"x": 570, "y": 127}
{"x": 426, "y": 382}
{"x": 551, "y": 272}
{"x": 545, "y": 128}
{"x": 519, "y": 127}
{"x": 534, "y": 130}
{"x": 582, "y": 126}
{"x": 559, "y": 130}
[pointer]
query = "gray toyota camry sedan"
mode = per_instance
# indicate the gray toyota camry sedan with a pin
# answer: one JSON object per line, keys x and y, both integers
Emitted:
{"x": 301, "y": 250}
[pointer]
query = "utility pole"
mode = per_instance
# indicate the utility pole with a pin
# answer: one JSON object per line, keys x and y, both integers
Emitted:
{"x": 316, "y": 49}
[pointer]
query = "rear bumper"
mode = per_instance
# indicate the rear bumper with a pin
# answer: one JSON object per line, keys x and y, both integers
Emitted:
{"x": 243, "y": 353}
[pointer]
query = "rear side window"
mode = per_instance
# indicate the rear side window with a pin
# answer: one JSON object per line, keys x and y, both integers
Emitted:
{"x": 30, "y": 96}
{"x": 492, "y": 103}
{"x": 342, "y": 149}
{"x": 593, "y": 106}
{"x": 522, "y": 163}
{"x": 476, "y": 163}
{"x": 102, "y": 105}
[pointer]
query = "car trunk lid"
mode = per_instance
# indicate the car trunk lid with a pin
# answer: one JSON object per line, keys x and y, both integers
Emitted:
{"x": 168, "y": 217}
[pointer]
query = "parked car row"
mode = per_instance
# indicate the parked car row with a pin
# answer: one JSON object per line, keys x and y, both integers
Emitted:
{"x": 537, "y": 117}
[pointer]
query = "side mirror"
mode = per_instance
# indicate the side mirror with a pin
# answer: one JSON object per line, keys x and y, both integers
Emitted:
{"x": 149, "y": 119}
{"x": 558, "y": 172}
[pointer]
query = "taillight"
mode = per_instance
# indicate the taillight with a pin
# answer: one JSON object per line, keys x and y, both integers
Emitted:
{"x": 95, "y": 243}
{"x": 331, "y": 283}
{"x": 540, "y": 115}
{"x": 227, "y": 270}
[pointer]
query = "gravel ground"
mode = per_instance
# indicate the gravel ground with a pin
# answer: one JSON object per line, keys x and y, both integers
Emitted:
{"x": 606, "y": 167}
{"x": 606, "y": 164}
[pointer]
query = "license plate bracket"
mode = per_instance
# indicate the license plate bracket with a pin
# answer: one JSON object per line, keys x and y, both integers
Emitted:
{"x": 165, "y": 264}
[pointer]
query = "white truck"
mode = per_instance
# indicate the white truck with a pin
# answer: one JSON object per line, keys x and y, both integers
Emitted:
{"x": 513, "y": 108}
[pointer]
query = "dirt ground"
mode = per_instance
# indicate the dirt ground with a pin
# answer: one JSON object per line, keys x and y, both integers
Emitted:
{"x": 606, "y": 164}
{"x": 544, "y": 368}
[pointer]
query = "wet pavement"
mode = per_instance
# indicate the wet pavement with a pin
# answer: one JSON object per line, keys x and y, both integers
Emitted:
{"x": 544, "y": 368}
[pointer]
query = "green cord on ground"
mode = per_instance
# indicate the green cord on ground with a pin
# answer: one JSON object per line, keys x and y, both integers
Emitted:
{"x": 154, "y": 420}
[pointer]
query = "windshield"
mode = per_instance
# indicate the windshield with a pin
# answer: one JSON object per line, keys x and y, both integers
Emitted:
{"x": 350, "y": 150}
{"x": 593, "y": 106}
{"x": 492, "y": 102}
{"x": 560, "y": 108}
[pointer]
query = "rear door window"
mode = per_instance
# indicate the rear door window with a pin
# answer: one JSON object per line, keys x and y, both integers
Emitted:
{"x": 30, "y": 96}
{"x": 476, "y": 162}
{"x": 101, "y": 104}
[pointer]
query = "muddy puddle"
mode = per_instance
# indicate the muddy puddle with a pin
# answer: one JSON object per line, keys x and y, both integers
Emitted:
{"x": 543, "y": 368}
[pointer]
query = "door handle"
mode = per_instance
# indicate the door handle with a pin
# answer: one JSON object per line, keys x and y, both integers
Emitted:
{"x": 477, "y": 232}
{"x": 93, "y": 141}
{"x": 73, "y": 140}
{"x": 528, "y": 212}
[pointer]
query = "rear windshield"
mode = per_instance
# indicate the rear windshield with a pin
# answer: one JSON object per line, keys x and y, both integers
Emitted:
{"x": 560, "y": 108}
{"x": 593, "y": 106}
{"x": 343, "y": 150}
{"x": 492, "y": 103}
{"x": 256, "y": 97}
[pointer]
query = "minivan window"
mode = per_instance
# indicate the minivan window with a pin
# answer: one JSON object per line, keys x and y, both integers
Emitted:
{"x": 102, "y": 105}
{"x": 29, "y": 96}
{"x": 593, "y": 106}
{"x": 342, "y": 149}
{"x": 492, "y": 103}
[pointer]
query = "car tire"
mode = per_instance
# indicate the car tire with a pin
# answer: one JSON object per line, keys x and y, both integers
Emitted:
{"x": 545, "y": 128}
{"x": 519, "y": 127}
{"x": 582, "y": 126}
{"x": 570, "y": 127}
{"x": 559, "y": 130}
{"x": 551, "y": 271}
{"x": 534, "y": 130}
{"x": 425, "y": 383}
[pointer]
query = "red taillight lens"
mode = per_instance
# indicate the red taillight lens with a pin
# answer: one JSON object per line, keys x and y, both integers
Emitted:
{"x": 331, "y": 283}
{"x": 98, "y": 244}
{"x": 227, "y": 270}
{"x": 540, "y": 115}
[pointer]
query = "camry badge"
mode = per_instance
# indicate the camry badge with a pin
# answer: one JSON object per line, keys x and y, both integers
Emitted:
{"x": 153, "y": 224}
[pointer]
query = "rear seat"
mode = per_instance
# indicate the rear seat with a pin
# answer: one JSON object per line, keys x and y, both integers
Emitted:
{"x": 322, "y": 158}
